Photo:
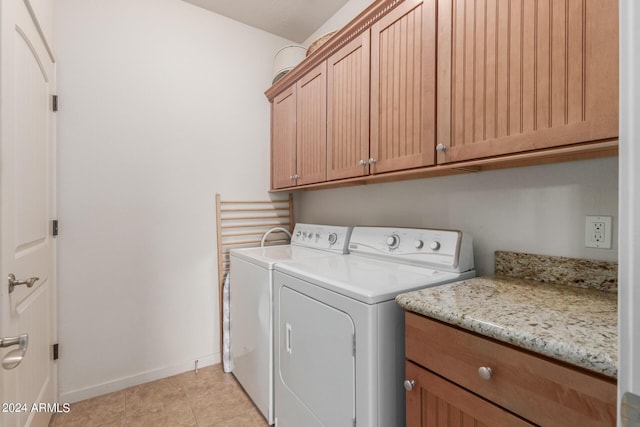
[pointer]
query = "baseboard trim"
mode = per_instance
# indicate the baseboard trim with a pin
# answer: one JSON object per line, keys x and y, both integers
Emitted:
{"x": 132, "y": 380}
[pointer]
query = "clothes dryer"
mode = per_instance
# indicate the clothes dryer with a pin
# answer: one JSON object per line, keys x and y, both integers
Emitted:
{"x": 339, "y": 335}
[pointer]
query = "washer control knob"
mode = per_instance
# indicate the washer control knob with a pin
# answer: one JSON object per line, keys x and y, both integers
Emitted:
{"x": 317, "y": 236}
{"x": 393, "y": 241}
{"x": 418, "y": 243}
{"x": 298, "y": 234}
{"x": 333, "y": 238}
{"x": 435, "y": 245}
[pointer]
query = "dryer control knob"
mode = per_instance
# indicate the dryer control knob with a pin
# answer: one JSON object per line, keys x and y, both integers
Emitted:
{"x": 418, "y": 244}
{"x": 435, "y": 245}
{"x": 393, "y": 241}
{"x": 333, "y": 238}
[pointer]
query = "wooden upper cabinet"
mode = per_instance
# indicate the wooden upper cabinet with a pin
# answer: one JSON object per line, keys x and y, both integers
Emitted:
{"x": 521, "y": 75}
{"x": 348, "y": 110}
{"x": 312, "y": 126}
{"x": 416, "y": 88}
{"x": 403, "y": 85}
{"x": 283, "y": 139}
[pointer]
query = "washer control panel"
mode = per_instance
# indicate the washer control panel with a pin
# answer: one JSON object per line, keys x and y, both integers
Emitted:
{"x": 326, "y": 237}
{"x": 446, "y": 249}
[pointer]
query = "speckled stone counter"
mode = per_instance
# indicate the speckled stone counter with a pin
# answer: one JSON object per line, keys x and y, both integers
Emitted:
{"x": 572, "y": 324}
{"x": 583, "y": 273}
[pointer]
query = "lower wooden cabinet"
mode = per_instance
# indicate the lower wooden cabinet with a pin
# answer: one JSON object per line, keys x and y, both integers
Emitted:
{"x": 518, "y": 387}
{"x": 434, "y": 401}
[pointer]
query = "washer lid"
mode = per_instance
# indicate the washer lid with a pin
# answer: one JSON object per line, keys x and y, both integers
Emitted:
{"x": 367, "y": 280}
{"x": 268, "y": 256}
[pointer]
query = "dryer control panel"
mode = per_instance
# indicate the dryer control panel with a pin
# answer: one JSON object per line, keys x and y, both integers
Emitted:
{"x": 449, "y": 250}
{"x": 325, "y": 237}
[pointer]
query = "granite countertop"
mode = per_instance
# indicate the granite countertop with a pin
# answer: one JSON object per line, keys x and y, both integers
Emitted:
{"x": 572, "y": 324}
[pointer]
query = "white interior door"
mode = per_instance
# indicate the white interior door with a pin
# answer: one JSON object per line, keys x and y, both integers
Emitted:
{"x": 27, "y": 204}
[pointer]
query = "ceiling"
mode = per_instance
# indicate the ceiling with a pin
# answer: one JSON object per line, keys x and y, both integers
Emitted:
{"x": 294, "y": 20}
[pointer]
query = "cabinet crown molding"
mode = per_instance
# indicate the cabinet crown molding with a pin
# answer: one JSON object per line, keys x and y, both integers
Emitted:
{"x": 359, "y": 24}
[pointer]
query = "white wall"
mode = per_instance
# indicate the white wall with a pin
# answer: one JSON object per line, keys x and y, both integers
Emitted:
{"x": 161, "y": 106}
{"x": 537, "y": 209}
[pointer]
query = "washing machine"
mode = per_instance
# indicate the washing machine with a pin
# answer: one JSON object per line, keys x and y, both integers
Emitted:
{"x": 251, "y": 304}
{"x": 339, "y": 335}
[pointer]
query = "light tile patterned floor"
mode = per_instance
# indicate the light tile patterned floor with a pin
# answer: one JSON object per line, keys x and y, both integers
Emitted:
{"x": 209, "y": 398}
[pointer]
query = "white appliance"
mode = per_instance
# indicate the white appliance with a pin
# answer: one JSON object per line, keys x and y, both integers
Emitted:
{"x": 251, "y": 302}
{"x": 339, "y": 336}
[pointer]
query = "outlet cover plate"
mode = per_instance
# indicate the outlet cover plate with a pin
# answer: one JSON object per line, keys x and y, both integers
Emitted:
{"x": 598, "y": 231}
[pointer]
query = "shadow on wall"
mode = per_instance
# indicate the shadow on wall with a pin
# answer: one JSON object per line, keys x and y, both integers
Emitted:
{"x": 537, "y": 209}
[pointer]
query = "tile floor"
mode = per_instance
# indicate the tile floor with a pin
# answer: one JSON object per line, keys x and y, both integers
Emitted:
{"x": 209, "y": 398}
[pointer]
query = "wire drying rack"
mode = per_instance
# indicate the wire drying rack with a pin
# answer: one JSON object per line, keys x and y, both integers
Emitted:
{"x": 242, "y": 223}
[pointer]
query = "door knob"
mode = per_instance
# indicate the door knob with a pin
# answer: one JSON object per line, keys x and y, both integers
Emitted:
{"x": 409, "y": 384}
{"x": 13, "y": 282}
{"x": 14, "y": 357}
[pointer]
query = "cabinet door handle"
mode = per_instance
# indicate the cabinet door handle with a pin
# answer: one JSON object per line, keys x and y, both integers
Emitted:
{"x": 485, "y": 372}
{"x": 409, "y": 384}
{"x": 441, "y": 148}
{"x": 372, "y": 161}
{"x": 362, "y": 163}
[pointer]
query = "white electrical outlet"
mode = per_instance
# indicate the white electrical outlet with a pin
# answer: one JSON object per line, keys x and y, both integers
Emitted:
{"x": 598, "y": 232}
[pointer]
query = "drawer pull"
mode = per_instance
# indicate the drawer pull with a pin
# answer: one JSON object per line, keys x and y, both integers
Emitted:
{"x": 485, "y": 373}
{"x": 409, "y": 384}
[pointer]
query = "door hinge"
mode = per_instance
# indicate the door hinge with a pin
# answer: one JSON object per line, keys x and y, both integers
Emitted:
{"x": 55, "y": 351}
{"x": 54, "y": 103}
{"x": 54, "y": 227}
{"x": 630, "y": 409}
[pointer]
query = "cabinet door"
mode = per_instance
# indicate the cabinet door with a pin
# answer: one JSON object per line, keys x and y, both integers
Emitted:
{"x": 515, "y": 76}
{"x": 403, "y": 60}
{"x": 312, "y": 126}
{"x": 348, "y": 110}
{"x": 283, "y": 139}
{"x": 436, "y": 402}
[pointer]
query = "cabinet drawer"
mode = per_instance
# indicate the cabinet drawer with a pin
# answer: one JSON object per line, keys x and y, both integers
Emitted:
{"x": 437, "y": 402}
{"x": 540, "y": 390}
